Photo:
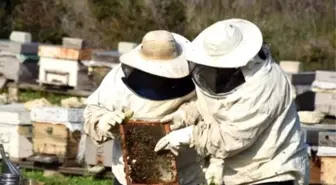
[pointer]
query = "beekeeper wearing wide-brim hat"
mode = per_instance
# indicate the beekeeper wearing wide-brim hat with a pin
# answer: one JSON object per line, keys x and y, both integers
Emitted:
{"x": 250, "y": 128}
{"x": 153, "y": 81}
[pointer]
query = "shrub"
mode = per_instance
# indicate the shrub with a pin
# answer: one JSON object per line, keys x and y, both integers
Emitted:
{"x": 41, "y": 18}
{"x": 296, "y": 29}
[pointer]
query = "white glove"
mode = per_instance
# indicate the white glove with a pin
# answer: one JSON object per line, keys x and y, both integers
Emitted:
{"x": 185, "y": 116}
{"x": 215, "y": 172}
{"x": 176, "y": 118}
{"x": 175, "y": 139}
{"x": 109, "y": 120}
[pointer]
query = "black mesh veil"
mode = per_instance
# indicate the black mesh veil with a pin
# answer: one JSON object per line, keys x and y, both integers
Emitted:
{"x": 155, "y": 87}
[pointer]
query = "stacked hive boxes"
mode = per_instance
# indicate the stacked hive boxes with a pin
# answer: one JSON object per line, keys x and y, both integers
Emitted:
{"x": 56, "y": 132}
{"x": 62, "y": 65}
{"x": 320, "y": 100}
{"x": 16, "y": 131}
{"x": 325, "y": 88}
{"x": 302, "y": 83}
{"x": 18, "y": 58}
{"x": 319, "y": 88}
{"x": 103, "y": 61}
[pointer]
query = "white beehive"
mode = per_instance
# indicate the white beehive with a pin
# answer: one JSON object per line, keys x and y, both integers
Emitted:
{"x": 58, "y": 115}
{"x": 58, "y": 71}
{"x": 63, "y": 67}
{"x": 291, "y": 66}
{"x": 20, "y": 36}
{"x": 57, "y": 131}
{"x": 16, "y": 131}
{"x": 124, "y": 47}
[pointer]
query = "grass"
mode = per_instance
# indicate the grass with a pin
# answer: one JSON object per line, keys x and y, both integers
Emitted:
{"x": 53, "y": 98}
{"x": 66, "y": 180}
{"x": 28, "y": 95}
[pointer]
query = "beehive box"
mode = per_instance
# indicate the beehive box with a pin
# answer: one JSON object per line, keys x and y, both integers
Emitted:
{"x": 325, "y": 103}
{"x": 74, "y": 43}
{"x": 142, "y": 164}
{"x": 327, "y": 154}
{"x": 102, "y": 62}
{"x": 55, "y": 139}
{"x": 65, "y": 73}
{"x": 16, "y": 131}
{"x": 59, "y": 115}
{"x": 111, "y": 57}
{"x": 310, "y": 136}
{"x": 302, "y": 82}
{"x": 56, "y": 131}
{"x": 302, "y": 78}
{"x": 59, "y": 52}
{"x": 315, "y": 170}
{"x": 325, "y": 82}
{"x": 19, "y": 68}
{"x": 317, "y": 101}
{"x": 328, "y": 172}
{"x": 326, "y": 76}
{"x": 291, "y": 66}
{"x": 20, "y": 36}
{"x": 124, "y": 47}
{"x": 98, "y": 155}
{"x": 18, "y": 48}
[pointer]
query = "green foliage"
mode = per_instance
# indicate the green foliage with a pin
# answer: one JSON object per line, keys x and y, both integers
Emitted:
{"x": 6, "y": 10}
{"x": 32, "y": 95}
{"x": 38, "y": 175}
{"x": 41, "y": 18}
{"x": 106, "y": 9}
{"x": 296, "y": 29}
{"x": 130, "y": 20}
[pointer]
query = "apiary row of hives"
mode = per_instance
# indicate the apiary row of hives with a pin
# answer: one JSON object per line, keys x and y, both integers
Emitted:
{"x": 72, "y": 64}
{"x": 47, "y": 134}
{"x": 51, "y": 135}
{"x": 315, "y": 96}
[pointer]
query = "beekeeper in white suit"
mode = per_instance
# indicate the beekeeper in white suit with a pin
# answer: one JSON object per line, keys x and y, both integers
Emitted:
{"x": 154, "y": 82}
{"x": 250, "y": 127}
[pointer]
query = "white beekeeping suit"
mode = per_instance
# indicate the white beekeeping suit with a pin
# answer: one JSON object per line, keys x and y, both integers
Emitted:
{"x": 250, "y": 127}
{"x": 154, "y": 82}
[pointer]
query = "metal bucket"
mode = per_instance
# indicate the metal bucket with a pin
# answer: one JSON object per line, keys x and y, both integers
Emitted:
{"x": 10, "y": 173}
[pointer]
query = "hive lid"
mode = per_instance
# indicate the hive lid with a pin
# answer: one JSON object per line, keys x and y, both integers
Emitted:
{"x": 15, "y": 114}
{"x": 18, "y": 48}
{"x": 106, "y": 56}
{"x": 57, "y": 114}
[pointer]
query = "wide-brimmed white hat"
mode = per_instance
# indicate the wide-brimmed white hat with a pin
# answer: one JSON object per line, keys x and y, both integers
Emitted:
{"x": 160, "y": 53}
{"x": 226, "y": 44}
